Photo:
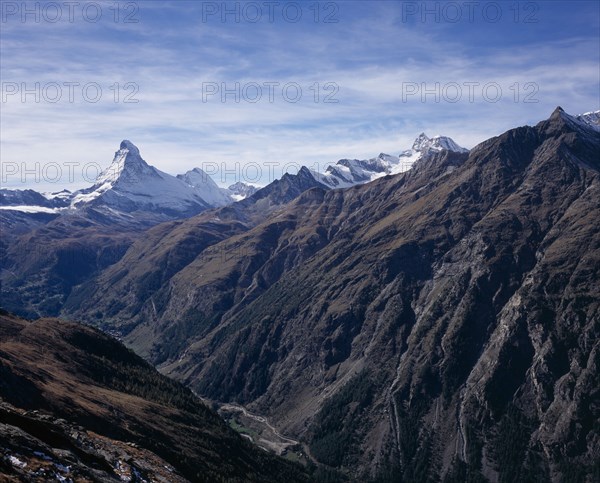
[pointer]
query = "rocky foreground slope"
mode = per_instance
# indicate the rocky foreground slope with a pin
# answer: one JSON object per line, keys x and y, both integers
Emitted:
{"x": 437, "y": 325}
{"x": 75, "y": 405}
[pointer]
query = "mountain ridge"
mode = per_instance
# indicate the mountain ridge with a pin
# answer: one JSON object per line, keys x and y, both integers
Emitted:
{"x": 413, "y": 308}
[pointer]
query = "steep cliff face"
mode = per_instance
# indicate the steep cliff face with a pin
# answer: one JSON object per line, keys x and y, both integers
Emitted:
{"x": 441, "y": 324}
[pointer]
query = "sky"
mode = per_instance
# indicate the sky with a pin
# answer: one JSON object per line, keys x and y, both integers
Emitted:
{"x": 247, "y": 90}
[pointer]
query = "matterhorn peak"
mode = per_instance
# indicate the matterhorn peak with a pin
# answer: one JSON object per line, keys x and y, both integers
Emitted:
{"x": 127, "y": 164}
{"x": 130, "y": 147}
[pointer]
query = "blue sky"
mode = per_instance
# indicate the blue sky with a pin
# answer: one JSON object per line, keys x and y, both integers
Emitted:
{"x": 374, "y": 58}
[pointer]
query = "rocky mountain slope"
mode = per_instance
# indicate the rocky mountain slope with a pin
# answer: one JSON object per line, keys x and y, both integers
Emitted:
{"x": 134, "y": 280}
{"x": 76, "y": 405}
{"x": 170, "y": 247}
{"x": 441, "y": 324}
{"x": 42, "y": 266}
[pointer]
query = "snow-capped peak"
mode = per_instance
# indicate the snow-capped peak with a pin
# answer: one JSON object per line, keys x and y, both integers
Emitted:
{"x": 127, "y": 165}
{"x": 197, "y": 178}
{"x": 349, "y": 172}
{"x": 128, "y": 146}
{"x": 423, "y": 144}
{"x": 591, "y": 118}
{"x": 240, "y": 190}
{"x": 130, "y": 184}
{"x": 205, "y": 186}
{"x": 448, "y": 144}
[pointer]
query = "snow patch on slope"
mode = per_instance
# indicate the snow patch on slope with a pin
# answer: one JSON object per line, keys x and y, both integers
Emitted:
{"x": 31, "y": 209}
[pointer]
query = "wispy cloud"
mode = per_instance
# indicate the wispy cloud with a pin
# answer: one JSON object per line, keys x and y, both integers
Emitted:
{"x": 370, "y": 54}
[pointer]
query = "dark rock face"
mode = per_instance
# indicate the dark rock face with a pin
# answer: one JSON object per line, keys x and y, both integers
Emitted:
{"x": 122, "y": 294}
{"x": 242, "y": 189}
{"x": 441, "y": 324}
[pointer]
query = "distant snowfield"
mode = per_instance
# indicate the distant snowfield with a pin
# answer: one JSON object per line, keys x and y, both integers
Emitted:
{"x": 32, "y": 209}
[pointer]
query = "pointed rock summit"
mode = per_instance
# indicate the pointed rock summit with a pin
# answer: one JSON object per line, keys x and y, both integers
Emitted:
{"x": 589, "y": 121}
{"x": 127, "y": 165}
{"x": 130, "y": 147}
{"x": 421, "y": 142}
{"x": 558, "y": 114}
